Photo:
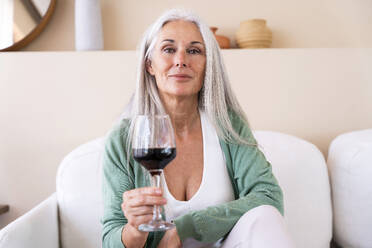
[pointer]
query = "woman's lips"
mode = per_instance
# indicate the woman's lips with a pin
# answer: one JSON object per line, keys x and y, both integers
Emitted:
{"x": 180, "y": 76}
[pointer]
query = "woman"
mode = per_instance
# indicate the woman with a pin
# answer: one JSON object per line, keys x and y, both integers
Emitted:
{"x": 219, "y": 181}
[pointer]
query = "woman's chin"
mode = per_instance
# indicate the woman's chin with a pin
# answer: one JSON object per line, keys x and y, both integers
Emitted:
{"x": 182, "y": 93}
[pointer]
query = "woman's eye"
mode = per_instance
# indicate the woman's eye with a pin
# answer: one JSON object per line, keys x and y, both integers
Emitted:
{"x": 169, "y": 50}
{"x": 194, "y": 51}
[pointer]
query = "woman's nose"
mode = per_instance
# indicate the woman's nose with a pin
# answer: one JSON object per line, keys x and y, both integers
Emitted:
{"x": 181, "y": 65}
{"x": 180, "y": 59}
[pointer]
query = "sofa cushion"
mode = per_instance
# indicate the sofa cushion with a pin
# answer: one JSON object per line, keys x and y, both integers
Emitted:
{"x": 298, "y": 165}
{"x": 302, "y": 174}
{"x": 350, "y": 167}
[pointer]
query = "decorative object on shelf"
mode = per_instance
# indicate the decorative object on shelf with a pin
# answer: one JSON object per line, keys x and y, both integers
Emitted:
{"x": 223, "y": 41}
{"x": 254, "y": 33}
{"x": 88, "y": 25}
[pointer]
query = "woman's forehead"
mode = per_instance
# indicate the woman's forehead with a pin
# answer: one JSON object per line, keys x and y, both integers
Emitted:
{"x": 180, "y": 29}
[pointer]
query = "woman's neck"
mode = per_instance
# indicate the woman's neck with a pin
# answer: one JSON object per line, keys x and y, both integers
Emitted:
{"x": 184, "y": 114}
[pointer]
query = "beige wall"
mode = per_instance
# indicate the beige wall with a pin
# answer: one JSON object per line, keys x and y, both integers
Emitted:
{"x": 295, "y": 24}
{"x": 51, "y": 102}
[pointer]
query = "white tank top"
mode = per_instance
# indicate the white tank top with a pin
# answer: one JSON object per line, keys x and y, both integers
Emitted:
{"x": 215, "y": 187}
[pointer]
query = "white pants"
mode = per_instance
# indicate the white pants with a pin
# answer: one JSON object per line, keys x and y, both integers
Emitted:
{"x": 261, "y": 227}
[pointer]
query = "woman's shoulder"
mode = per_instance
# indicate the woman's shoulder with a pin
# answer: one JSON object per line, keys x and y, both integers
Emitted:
{"x": 241, "y": 126}
{"x": 237, "y": 119}
{"x": 118, "y": 134}
{"x": 120, "y": 128}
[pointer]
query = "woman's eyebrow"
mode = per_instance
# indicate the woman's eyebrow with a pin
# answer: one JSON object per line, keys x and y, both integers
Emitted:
{"x": 192, "y": 42}
{"x": 168, "y": 40}
{"x": 196, "y": 42}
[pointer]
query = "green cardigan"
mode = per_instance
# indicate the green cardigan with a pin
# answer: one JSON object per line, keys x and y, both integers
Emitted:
{"x": 250, "y": 174}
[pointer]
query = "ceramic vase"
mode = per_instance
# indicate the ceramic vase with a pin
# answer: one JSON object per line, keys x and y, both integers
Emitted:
{"x": 88, "y": 25}
{"x": 253, "y": 33}
{"x": 223, "y": 41}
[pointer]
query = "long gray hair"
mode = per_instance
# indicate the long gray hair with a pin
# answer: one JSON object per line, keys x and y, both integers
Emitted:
{"x": 216, "y": 97}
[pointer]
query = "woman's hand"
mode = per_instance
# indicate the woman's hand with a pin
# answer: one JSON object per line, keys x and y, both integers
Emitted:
{"x": 138, "y": 204}
{"x": 138, "y": 208}
{"x": 170, "y": 239}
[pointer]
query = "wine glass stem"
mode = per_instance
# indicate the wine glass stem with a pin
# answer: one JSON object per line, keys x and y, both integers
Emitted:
{"x": 157, "y": 216}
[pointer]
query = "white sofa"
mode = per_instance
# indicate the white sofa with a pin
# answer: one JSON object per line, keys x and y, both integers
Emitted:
{"x": 71, "y": 217}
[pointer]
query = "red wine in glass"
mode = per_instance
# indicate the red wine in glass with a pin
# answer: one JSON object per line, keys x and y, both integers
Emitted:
{"x": 154, "y": 159}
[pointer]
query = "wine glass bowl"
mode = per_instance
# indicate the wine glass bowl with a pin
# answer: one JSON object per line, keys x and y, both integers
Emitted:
{"x": 154, "y": 159}
{"x": 154, "y": 146}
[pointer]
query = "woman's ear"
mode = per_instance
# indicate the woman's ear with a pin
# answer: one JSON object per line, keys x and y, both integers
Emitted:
{"x": 149, "y": 67}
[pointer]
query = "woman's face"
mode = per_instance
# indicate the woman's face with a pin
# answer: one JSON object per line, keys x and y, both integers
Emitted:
{"x": 178, "y": 59}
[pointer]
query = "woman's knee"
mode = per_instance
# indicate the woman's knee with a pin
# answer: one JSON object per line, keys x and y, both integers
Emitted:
{"x": 262, "y": 226}
{"x": 256, "y": 219}
{"x": 265, "y": 210}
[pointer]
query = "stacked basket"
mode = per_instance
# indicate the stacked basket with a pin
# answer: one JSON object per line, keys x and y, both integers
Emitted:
{"x": 254, "y": 34}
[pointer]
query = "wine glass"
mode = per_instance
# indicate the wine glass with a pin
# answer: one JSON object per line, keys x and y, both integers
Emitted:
{"x": 154, "y": 146}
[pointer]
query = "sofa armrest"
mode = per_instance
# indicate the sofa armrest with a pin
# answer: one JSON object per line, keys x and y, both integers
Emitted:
{"x": 36, "y": 228}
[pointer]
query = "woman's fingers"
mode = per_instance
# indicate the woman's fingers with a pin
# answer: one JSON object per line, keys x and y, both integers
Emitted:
{"x": 142, "y": 191}
{"x": 138, "y": 220}
{"x": 146, "y": 200}
{"x": 138, "y": 211}
{"x": 138, "y": 204}
{"x": 143, "y": 197}
{"x": 138, "y": 215}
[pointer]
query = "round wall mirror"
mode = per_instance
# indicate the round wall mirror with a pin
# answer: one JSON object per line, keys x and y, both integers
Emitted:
{"x": 21, "y": 21}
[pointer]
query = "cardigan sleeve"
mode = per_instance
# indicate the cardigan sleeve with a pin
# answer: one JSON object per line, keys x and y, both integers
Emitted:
{"x": 116, "y": 180}
{"x": 254, "y": 183}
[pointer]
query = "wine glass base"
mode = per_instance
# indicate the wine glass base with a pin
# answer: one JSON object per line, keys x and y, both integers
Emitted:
{"x": 156, "y": 226}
